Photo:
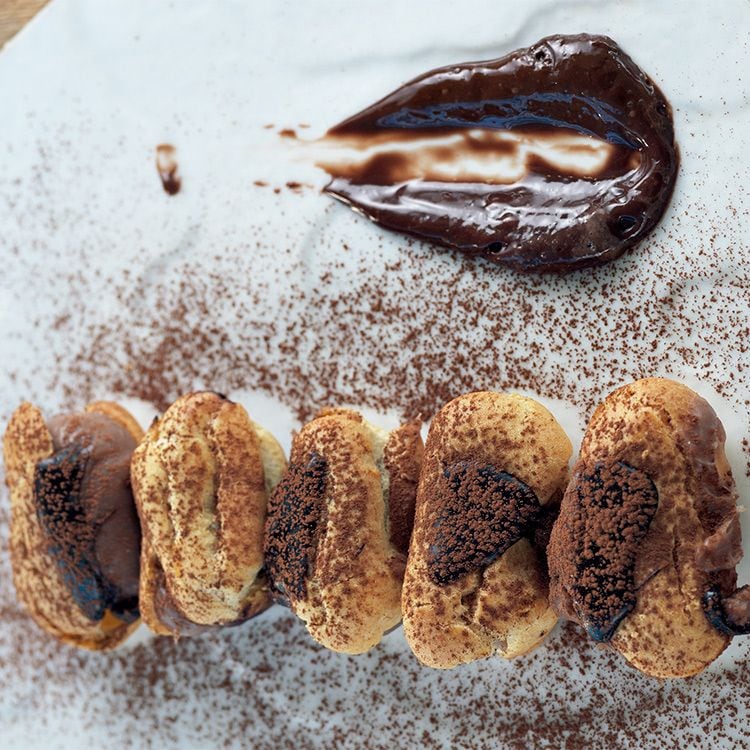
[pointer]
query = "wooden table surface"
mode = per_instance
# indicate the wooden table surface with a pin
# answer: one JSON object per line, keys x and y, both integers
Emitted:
{"x": 14, "y": 14}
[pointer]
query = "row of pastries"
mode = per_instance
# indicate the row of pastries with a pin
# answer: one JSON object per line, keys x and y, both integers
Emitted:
{"x": 477, "y": 540}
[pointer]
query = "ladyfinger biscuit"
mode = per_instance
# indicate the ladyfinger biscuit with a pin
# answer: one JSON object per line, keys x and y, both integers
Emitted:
{"x": 339, "y": 525}
{"x": 644, "y": 551}
{"x": 201, "y": 478}
{"x": 75, "y": 537}
{"x": 475, "y": 581}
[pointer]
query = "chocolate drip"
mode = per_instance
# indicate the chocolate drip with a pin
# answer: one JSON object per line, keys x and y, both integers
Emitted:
{"x": 548, "y": 217}
{"x": 294, "y": 515}
{"x": 480, "y": 513}
{"x": 599, "y": 541}
{"x": 730, "y": 615}
{"x": 166, "y": 166}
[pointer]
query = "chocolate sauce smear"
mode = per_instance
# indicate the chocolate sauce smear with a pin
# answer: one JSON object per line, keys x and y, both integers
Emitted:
{"x": 554, "y": 157}
{"x": 480, "y": 513}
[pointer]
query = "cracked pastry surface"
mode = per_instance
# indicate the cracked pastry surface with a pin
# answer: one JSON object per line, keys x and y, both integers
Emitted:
{"x": 201, "y": 478}
{"x": 339, "y": 525}
{"x": 495, "y": 466}
{"x": 648, "y": 528}
{"x": 75, "y": 537}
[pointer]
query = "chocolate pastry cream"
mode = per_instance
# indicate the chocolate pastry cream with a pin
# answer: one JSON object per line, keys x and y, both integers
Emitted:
{"x": 554, "y": 157}
{"x": 86, "y": 511}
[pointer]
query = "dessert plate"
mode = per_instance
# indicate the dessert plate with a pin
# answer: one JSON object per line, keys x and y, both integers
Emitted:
{"x": 249, "y": 281}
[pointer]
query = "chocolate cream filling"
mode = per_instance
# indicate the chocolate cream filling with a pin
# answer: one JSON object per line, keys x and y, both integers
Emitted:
{"x": 554, "y": 157}
{"x": 86, "y": 511}
{"x": 720, "y": 549}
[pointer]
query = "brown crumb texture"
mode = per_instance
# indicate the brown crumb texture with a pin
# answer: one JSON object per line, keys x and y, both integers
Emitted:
{"x": 296, "y": 513}
{"x": 599, "y": 540}
{"x": 477, "y": 513}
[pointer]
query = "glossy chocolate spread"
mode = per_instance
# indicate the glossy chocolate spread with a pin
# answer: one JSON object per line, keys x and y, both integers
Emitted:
{"x": 554, "y": 157}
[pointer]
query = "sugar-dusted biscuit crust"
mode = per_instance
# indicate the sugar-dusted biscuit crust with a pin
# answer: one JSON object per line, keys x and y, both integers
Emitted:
{"x": 201, "y": 478}
{"x": 339, "y": 525}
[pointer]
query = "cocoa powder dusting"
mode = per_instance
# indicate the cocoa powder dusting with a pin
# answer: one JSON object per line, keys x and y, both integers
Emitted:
{"x": 605, "y": 514}
{"x": 294, "y": 515}
{"x": 477, "y": 514}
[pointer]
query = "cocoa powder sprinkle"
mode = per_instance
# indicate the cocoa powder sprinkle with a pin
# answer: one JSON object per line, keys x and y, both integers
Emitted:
{"x": 294, "y": 514}
{"x": 606, "y": 513}
{"x": 478, "y": 513}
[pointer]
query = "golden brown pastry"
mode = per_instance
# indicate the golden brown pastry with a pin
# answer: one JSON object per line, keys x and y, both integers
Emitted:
{"x": 644, "y": 550}
{"x": 75, "y": 537}
{"x": 201, "y": 478}
{"x": 339, "y": 524}
{"x": 475, "y": 581}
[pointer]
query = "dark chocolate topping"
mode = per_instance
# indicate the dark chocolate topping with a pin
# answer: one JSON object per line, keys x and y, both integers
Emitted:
{"x": 87, "y": 513}
{"x": 480, "y": 512}
{"x": 581, "y": 95}
{"x": 295, "y": 511}
{"x": 597, "y": 540}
